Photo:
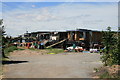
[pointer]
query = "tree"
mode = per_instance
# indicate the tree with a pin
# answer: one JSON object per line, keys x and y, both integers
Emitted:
{"x": 118, "y": 46}
{"x": 110, "y": 40}
{"x": 2, "y": 38}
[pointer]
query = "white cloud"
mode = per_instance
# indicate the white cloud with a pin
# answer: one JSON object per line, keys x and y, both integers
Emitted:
{"x": 33, "y": 6}
{"x": 62, "y": 17}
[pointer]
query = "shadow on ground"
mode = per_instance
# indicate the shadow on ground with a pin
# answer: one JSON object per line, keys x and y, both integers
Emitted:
{"x": 13, "y": 62}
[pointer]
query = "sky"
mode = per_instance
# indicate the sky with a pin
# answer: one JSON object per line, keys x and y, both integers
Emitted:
{"x": 58, "y": 16}
{"x": 60, "y": 0}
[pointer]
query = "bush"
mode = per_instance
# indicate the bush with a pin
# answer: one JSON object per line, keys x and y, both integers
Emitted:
{"x": 110, "y": 56}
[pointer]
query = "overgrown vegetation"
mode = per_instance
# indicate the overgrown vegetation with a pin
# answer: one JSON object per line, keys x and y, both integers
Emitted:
{"x": 106, "y": 72}
{"x": 111, "y": 51}
{"x": 56, "y": 51}
{"x": 107, "y": 75}
{"x": 10, "y": 49}
{"x": 111, "y": 54}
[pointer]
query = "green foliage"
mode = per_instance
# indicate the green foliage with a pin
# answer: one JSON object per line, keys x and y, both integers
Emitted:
{"x": 110, "y": 41}
{"x": 118, "y": 49}
{"x": 33, "y": 49}
{"x": 96, "y": 70}
{"x": 56, "y": 51}
{"x": 108, "y": 76}
{"x": 105, "y": 75}
{"x": 10, "y": 49}
{"x": 4, "y": 41}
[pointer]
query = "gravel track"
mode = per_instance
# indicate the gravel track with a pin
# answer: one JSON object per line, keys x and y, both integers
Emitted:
{"x": 34, "y": 64}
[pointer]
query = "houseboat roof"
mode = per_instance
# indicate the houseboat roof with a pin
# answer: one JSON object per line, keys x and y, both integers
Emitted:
{"x": 84, "y": 30}
{"x": 48, "y": 31}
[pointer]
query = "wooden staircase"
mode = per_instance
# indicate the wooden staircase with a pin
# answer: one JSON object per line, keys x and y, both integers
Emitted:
{"x": 56, "y": 43}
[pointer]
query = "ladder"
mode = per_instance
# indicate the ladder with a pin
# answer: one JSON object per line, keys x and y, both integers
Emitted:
{"x": 56, "y": 43}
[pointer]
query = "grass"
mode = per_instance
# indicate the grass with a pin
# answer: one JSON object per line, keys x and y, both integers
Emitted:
{"x": 104, "y": 74}
{"x": 56, "y": 51}
{"x": 7, "y": 51}
{"x": 10, "y": 49}
{"x": 33, "y": 49}
{"x": 107, "y": 75}
{"x": 50, "y": 50}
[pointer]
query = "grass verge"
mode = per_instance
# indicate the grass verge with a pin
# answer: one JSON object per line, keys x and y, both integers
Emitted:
{"x": 104, "y": 73}
{"x": 50, "y": 50}
{"x": 56, "y": 51}
{"x": 10, "y": 49}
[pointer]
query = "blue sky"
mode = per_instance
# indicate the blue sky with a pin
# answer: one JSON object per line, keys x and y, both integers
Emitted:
{"x": 60, "y": 0}
{"x": 14, "y": 5}
{"x": 37, "y": 16}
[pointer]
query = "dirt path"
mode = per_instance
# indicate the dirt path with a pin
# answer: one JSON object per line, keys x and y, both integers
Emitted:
{"x": 30, "y": 64}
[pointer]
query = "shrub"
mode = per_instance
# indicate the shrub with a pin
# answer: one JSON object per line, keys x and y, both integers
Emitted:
{"x": 110, "y": 56}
